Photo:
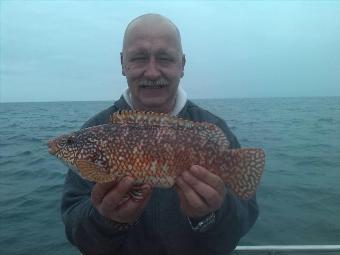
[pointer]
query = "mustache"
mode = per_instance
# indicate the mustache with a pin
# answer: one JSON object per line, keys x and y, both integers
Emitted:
{"x": 150, "y": 83}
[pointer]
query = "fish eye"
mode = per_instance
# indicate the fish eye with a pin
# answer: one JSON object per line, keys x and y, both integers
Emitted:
{"x": 70, "y": 141}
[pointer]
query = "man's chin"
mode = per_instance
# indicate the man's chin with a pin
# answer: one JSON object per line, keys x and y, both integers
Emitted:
{"x": 155, "y": 105}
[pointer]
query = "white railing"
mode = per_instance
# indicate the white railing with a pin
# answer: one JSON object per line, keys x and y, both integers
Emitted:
{"x": 288, "y": 249}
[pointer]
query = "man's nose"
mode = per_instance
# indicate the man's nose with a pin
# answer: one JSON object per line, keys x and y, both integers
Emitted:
{"x": 152, "y": 72}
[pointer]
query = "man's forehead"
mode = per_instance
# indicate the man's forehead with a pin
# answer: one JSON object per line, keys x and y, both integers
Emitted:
{"x": 146, "y": 50}
{"x": 151, "y": 28}
{"x": 160, "y": 43}
{"x": 152, "y": 21}
{"x": 143, "y": 31}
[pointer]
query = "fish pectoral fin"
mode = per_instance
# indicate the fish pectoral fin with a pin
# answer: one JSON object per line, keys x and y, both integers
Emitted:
{"x": 244, "y": 171}
{"x": 92, "y": 172}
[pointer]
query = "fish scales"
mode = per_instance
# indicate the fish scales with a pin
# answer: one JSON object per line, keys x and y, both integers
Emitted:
{"x": 157, "y": 152}
{"x": 155, "y": 148}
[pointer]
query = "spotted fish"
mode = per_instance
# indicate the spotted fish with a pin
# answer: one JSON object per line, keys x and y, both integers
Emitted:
{"x": 155, "y": 148}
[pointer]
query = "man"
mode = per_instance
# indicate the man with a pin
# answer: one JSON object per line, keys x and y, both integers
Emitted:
{"x": 197, "y": 216}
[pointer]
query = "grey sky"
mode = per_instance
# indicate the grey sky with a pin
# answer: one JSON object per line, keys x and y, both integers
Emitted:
{"x": 69, "y": 50}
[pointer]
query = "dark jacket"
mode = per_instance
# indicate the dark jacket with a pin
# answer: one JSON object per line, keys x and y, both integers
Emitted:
{"x": 162, "y": 228}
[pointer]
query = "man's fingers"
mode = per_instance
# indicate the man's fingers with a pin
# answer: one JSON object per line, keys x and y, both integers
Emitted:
{"x": 113, "y": 198}
{"x": 180, "y": 194}
{"x": 209, "y": 178}
{"x": 99, "y": 191}
{"x": 210, "y": 195}
{"x": 191, "y": 197}
{"x": 183, "y": 201}
{"x": 131, "y": 209}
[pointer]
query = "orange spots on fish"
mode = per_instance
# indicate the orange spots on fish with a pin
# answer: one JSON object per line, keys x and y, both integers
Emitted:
{"x": 154, "y": 148}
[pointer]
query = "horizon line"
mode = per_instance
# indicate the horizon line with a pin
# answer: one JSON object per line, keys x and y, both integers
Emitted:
{"x": 197, "y": 98}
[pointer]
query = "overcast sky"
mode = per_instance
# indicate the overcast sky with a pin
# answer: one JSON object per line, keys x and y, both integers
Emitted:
{"x": 69, "y": 50}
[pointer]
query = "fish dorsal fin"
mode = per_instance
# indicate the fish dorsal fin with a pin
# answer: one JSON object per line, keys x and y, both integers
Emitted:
{"x": 92, "y": 172}
{"x": 148, "y": 118}
{"x": 166, "y": 120}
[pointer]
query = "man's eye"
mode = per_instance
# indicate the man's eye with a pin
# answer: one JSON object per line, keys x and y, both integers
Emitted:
{"x": 139, "y": 59}
{"x": 165, "y": 59}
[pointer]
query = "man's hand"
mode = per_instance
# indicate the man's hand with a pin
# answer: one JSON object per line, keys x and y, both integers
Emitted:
{"x": 200, "y": 192}
{"x": 113, "y": 201}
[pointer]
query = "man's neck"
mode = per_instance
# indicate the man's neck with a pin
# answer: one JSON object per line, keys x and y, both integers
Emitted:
{"x": 177, "y": 106}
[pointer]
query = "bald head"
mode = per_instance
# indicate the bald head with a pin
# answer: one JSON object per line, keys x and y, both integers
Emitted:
{"x": 151, "y": 24}
{"x": 152, "y": 62}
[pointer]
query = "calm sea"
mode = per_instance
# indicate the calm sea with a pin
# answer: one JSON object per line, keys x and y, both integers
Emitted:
{"x": 299, "y": 195}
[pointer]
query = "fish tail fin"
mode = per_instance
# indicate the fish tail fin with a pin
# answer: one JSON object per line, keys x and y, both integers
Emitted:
{"x": 242, "y": 171}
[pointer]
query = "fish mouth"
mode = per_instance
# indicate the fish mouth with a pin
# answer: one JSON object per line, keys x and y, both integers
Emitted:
{"x": 52, "y": 147}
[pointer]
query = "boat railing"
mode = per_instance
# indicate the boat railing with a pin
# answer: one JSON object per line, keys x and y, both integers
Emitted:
{"x": 288, "y": 250}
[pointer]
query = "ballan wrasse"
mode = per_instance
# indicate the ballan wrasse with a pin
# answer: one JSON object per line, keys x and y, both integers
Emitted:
{"x": 155, "y": 148}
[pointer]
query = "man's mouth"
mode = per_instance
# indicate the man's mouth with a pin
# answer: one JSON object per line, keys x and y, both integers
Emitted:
{"x": 152, "y": 86}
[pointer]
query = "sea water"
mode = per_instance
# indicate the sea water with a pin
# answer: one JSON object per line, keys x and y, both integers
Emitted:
{"x": 299, "y": 195}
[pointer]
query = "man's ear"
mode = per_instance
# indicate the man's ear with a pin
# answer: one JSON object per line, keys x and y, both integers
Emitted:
{"x": 183, "y": 64}
{"x": 122, "y": 64}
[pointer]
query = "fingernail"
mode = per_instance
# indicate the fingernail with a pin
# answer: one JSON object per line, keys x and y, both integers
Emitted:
{"x": 146, "y": 189}
{"x": 194, "y": 169}
{"x": 123, "y": 200}
{"x": 128, "y": 180}
{"x": 185, "y": 173}
{"x": 113, "y": 181}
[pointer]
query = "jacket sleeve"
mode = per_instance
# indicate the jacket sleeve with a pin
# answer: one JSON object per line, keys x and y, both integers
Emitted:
{"x": 233, "y": 220}
{"x": 85, "y": 228}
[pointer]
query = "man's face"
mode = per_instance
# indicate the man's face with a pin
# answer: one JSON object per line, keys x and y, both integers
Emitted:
{"x": 153, "y": 64}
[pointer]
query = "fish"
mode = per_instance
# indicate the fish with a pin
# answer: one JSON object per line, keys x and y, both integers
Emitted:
{"x": 155, "y": 148}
